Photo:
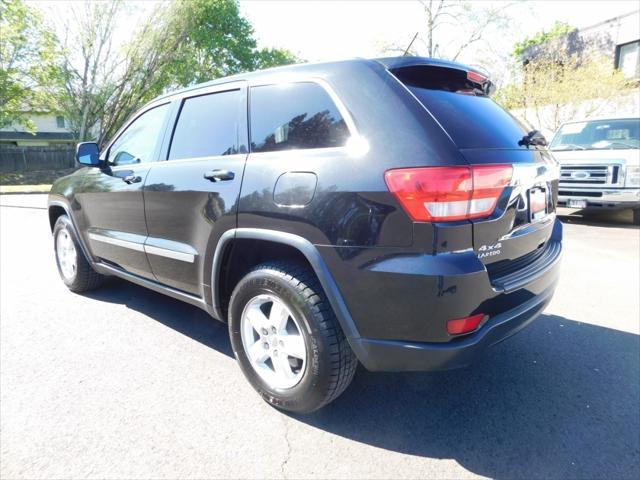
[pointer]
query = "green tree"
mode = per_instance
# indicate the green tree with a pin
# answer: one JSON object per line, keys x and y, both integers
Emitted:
{"x": 181, "y": 43}
{"x": 556, "y": 87}
{"x": 215, "y": 41}
{"x": 88, "y": 63}
{"x": 559, "y": 29}
{"x": 26, "y": 63}
{"x": 190, "y": 42}
{"x": 273, "y": 57}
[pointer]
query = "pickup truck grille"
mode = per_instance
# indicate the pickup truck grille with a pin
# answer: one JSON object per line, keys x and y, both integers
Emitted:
{"x": 589, "y": 175}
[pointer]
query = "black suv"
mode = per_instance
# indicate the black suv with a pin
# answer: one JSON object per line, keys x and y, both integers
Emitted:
{"x": 383, "y": 211}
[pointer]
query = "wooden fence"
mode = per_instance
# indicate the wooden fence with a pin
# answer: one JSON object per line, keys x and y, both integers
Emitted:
{"x": 31, "y": 159}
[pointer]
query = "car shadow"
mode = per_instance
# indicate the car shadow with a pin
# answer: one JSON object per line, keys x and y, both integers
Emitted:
{"x": 559, "y": 400}
{"x": 606, "y": 219}
{"x": 181, "y": 317}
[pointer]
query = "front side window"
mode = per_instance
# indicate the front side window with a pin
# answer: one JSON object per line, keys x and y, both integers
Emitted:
{"x": 138, "y": 142}
{"x": 210, "y": 125}
{"x": 295, "y": 116}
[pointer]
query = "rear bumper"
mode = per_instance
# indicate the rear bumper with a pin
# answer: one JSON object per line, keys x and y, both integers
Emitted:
{"x": 389, "y": 355}
{"x": 400, "y": 302}
{"x": 600, "y": 198}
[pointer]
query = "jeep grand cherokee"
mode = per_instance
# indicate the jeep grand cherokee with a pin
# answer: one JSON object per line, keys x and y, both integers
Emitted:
{"x": 382, "y": 211}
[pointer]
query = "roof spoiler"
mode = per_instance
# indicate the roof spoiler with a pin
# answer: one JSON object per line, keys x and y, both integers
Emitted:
{"x": 439, "y": 74}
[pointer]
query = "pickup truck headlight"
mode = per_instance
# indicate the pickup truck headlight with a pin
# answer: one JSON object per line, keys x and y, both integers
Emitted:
{"x": 632, "y": 177}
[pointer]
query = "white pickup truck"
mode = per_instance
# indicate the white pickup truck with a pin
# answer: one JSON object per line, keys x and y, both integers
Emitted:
{"x": 599, "y": 164}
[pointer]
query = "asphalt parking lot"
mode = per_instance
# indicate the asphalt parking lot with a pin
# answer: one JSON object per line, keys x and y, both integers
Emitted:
{"x": 127, "y": 383}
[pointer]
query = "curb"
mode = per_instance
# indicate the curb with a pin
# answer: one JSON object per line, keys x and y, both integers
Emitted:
{"x": 24, "y": 193}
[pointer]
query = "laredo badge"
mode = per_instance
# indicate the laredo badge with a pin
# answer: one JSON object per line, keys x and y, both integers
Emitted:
{"x": 489, "y": 250}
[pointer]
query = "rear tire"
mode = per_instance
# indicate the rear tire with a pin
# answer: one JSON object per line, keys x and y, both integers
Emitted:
{"x": 74, "y": 268}
{"x": 294, "y": 292}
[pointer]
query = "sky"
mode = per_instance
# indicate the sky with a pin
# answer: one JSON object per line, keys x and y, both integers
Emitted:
{"x": 320, "y": 30}
{"x": 317, "y": 30}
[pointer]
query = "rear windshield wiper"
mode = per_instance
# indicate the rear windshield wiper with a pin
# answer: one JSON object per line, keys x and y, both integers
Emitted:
{"x": 535, "y": 138}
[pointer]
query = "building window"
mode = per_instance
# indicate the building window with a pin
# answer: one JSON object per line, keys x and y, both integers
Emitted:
{"x": 628, "y": 59}
{"x": 60, "y": 121}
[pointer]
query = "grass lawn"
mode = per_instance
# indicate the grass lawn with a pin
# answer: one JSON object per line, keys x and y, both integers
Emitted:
{"x": 31, "y": 182}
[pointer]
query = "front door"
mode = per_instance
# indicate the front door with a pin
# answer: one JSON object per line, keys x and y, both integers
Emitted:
{"x": 111, "y": 198}
{"x": 191, "y": 198}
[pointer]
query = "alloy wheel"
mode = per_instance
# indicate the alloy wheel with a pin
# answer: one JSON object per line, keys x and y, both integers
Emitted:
{"x": 273, "y": 341}
{"x": 66, "y": 253}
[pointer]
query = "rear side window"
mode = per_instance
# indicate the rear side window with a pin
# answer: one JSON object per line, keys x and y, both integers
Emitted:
{"x": 471, "y": 119}
{"x": 209, "y": 125}
{"x": 293, "y": 116}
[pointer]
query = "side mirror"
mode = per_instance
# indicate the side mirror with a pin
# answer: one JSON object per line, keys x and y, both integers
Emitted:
{"x": 535, "y": 138}
{"x": 538, "y": 139}
{"x": 87, "y": 153}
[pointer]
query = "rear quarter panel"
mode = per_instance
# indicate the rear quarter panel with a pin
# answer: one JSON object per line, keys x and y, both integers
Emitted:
{"x": 351, "y": 205}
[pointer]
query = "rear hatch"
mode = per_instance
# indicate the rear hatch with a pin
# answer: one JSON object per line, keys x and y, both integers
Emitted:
{"x": 521, "y": 224}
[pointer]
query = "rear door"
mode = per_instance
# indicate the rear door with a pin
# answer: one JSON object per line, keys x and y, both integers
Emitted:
{"x": 111, "y": 196}
{"x": 487, "y": 134}
{"x": 191, "y": 197}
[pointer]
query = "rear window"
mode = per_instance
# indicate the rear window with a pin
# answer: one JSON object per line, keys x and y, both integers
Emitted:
{"x": 472, "y": 121}
{"x": 295, "y": 116}
{"x": 471, "y": 118}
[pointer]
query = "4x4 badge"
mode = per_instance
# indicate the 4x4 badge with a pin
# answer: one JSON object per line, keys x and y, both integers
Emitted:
{"x": 489, "y": 250}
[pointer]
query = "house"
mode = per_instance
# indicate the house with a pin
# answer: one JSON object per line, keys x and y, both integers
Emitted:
{"x": 51, "y": 130}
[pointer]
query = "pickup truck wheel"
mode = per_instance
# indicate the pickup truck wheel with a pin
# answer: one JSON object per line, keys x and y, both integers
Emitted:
{"x": 74, "y": 269}
{"x": 287, "y": 340}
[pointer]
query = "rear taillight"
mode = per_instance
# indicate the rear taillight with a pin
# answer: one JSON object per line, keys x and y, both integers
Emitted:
{"x": 441, "y": 194}
{"x": 464, "y": 325}
{"x": 476, "y": 77}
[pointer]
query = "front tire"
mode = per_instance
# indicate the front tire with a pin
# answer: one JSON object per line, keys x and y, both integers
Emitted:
{"x": 287, "y": 339}
{"x": 74, "y": 268}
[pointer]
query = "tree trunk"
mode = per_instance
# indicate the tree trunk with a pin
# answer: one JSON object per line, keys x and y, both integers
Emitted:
{"x": 430, "y": 29}
{"x": 83, "y": 122}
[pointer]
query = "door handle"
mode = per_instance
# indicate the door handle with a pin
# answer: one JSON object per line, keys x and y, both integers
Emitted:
{"x": 219, "y": 175}
{"x": 131, "y": 179}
